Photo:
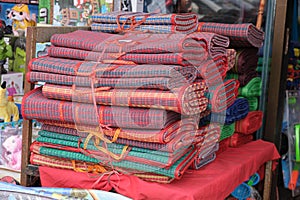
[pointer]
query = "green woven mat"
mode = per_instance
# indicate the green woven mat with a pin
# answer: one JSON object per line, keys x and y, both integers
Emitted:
{"x": 170, "y": 172}
{"x": 253, "y": 103}
{"x": 252, "y": 89}
{"x": 69, "y": 140}
{"x": 227, "y": 131}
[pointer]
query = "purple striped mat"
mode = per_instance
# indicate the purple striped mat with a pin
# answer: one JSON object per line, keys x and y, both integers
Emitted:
{"x": 240, "y": 35}
{"x": 36, "y": 106}
{"x": 161, "y": 83}
{"x": 184, "y": 59}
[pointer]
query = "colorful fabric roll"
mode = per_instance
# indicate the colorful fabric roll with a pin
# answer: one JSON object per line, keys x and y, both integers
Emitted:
{"x": 252, "y": 89}
{"x": 115, "y": 22}
{"x": 115, "y": 151}
{"x": 175, "y": 171}
{"x": 182, "y": 58}
{"x": 143, "y": 135}
{"x": 184, "y": 138}
{"x": 238, "y": 139}
{"x": 223, "y": 95}
{"x": 85, "y": 69}
{"x": 210, "y": 70}
{"x": 237, "y": 111}
{"x": 187, "y": 100}
{"x": 244, "y": 79}
{"x": 55, "y": 162}
{"x": 146, "y": 18}
{"x": 246, "y": 61}
{"x": 159, "y": 83}
{"x": 135, "y": 43}
{"x": 240, "y": 35}
{"x": 227, "y": 131}
{"x": 250, "y": 124}
{"x": 36, "y": 106}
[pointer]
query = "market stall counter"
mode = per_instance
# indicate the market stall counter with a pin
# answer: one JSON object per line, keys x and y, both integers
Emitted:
{"x": 214, "y": 181}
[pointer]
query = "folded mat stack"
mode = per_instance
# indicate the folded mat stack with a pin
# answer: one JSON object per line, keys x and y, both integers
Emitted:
{"x": 245, "y": 39}
{"x": 102, "y": 112}
{"x": 116, "y": 22}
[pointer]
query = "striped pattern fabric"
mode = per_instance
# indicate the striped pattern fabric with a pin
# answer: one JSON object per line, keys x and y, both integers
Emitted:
{"x": 143, "y": 135}
{"x": 252, "y": 89}
{"x": 141, "y": 43}
{"x": 184, "y": 136}
{"x": 238, "y": 139}
{"x": 36, "y": 106}
{"x": 85, "y": 69}
{"x": 158, "y": 83}
{"x": 212, "y": 71}
{"x": 134, "y": 154}
{"x": 187, "y": 100}
{"x": 175, "y": 171}
{"x": 240, "y": 35}
{"x": 166, "y": 29}
{"x": 250, "y": 124}
{"x": 155, "y": 23}
{"x": 184, "y": 59}
{"x": 146, "y": 18}
{"x": 223, "y": 95}
{"x": 136, "y": 42}
{"x": 56, "y": 162}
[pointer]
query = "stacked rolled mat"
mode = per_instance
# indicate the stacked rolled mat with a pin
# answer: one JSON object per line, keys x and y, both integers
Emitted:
{"x": 116, "y": 22}
{"x": 128, "y": 102}
{"x": 245, "y": 39}
{"x": 131, "y": 102}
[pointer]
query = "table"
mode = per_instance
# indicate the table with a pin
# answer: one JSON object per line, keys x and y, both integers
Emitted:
{"x": 214, "y": 181}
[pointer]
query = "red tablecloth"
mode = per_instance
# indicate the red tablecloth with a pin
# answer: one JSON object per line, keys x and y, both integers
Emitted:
{"x": 215, "y": 181}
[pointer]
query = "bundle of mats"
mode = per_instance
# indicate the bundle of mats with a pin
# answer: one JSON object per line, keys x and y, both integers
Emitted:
{"x": 204, "y": 51}
{"x": 240, "y": 35}
{"x": 36, "y": 106}
{"x": 186, "y": 100}
{"x": 88, "y": 167}
{"x": 116, "y": 22}
{"x": 131, "y": 102}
